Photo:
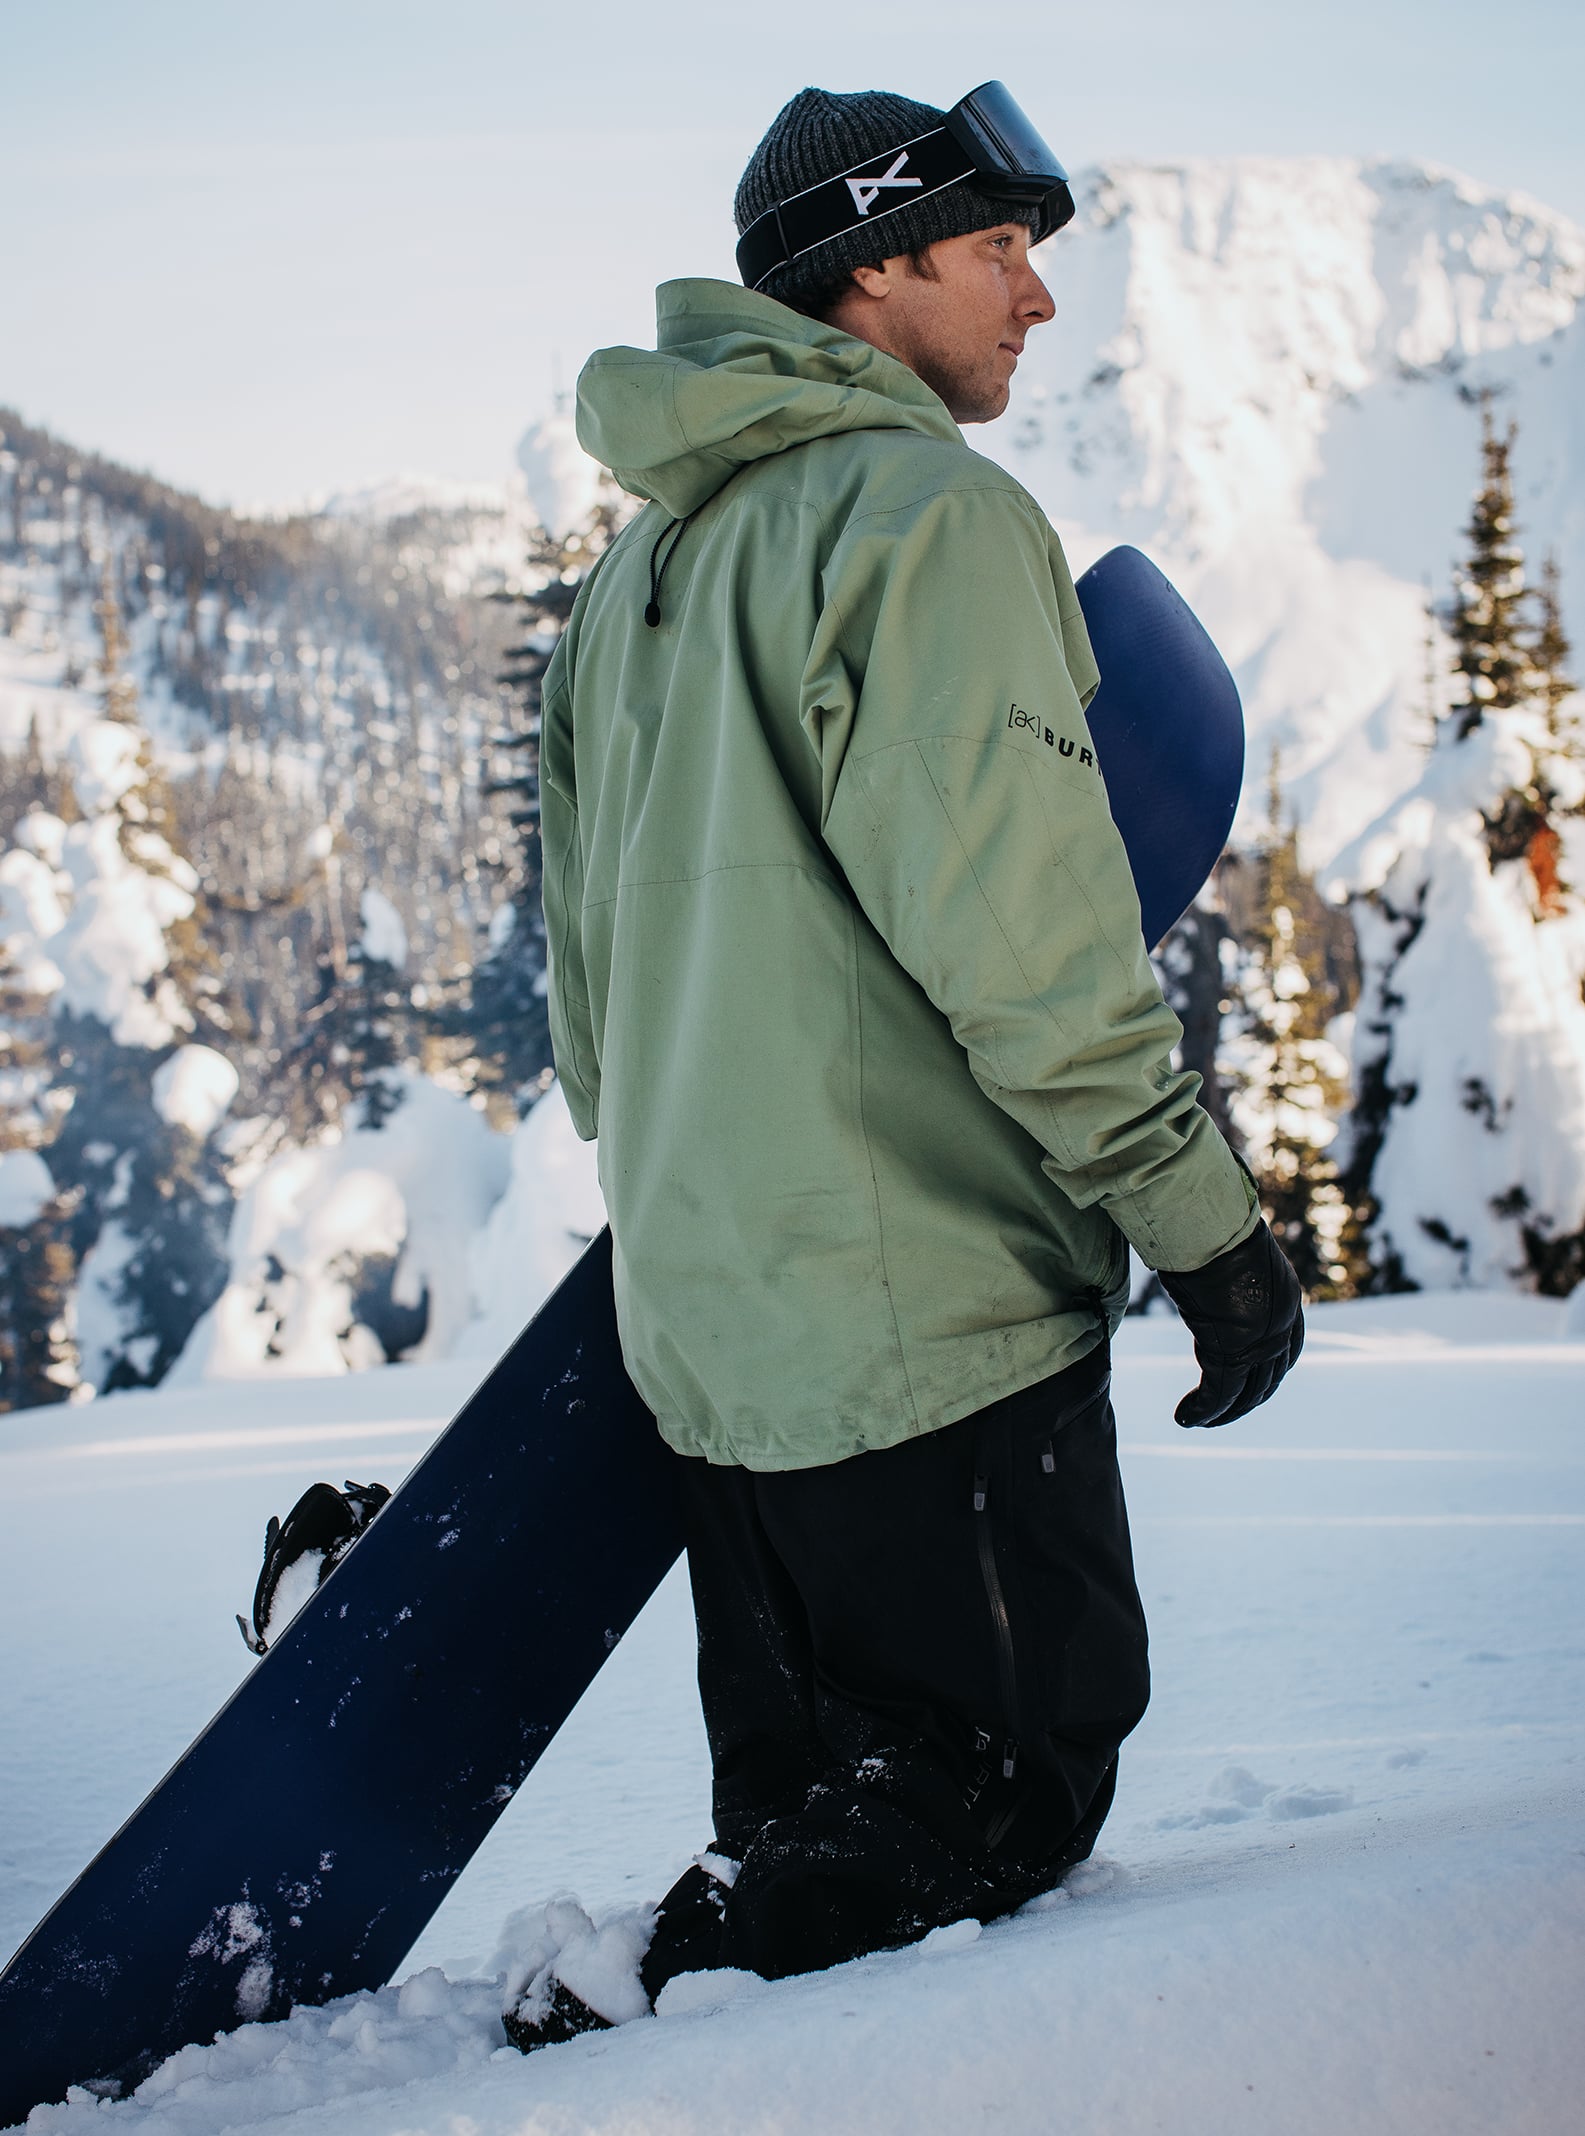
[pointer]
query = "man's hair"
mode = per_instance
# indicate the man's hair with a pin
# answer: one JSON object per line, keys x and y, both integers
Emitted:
{"x": 820, "y": 301}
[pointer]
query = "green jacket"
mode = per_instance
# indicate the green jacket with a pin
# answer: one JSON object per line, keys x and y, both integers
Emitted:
{"x": 845, "y": 958}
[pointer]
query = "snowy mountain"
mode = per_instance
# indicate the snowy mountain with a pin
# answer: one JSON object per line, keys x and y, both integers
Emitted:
{"x": 1266, "y": 373}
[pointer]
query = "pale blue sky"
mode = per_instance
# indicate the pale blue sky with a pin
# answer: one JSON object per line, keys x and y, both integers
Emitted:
{"x": 267, "y": 250}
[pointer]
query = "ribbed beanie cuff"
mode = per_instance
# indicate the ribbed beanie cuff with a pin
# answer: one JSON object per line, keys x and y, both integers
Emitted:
{"x": 819, "y": 135}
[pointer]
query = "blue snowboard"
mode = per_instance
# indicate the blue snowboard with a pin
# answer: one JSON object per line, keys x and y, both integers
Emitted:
{"x": 300, "y": 1846}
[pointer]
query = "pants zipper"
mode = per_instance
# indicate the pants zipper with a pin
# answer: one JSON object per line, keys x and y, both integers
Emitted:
{"x": 1006, "y": 1671}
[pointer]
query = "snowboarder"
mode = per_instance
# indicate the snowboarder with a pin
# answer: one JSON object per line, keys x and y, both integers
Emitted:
{"x": 846, "y": 971}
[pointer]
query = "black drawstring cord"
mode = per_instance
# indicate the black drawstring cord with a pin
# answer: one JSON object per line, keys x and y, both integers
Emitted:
{"x": 652, "y": 612}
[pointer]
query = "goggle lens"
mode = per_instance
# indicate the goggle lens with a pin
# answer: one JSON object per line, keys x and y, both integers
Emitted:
{"x": 1005, "y": 136}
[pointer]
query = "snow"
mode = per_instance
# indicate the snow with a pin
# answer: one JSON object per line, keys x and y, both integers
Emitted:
{"x": 26, "y": 1188}
{"x": 550, "y": 1209}
{"x": 404, "y": 495}
{"x": 40, "y": 832}
{"x": 104, "y": 759}
{"x": 84, "y": 923}
{"x": 1487, "y": 1030}
{"x": 384, "y": 937}
{"x": 31, "y": 910}
{"x": 486, "y": 1225}
{"x": 194, "y": 1089}
{"x": 563, "y": 483}
{"x": 99, "y": 1310}
{"x": 559, "y": 1941}
{"x": 1342, "y": 1886}
{"x": 416, "y": 1190}
{"x": 1261, "y": 372}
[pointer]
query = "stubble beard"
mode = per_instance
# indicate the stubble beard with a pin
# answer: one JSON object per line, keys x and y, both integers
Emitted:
{"x": 975, "y": 389}
{"x": 973, "y": 393}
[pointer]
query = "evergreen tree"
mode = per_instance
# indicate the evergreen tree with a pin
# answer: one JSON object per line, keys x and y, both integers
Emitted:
{"x": 38, "y": 1359}
{"x": 1291, "y": 1079}
{"x": 149, "y": 1199}
{"x": 360, "y": 1026}
{"x": 1549, "y": 655}
{"x": 149, "y": 832}
{"x": 1471, "y": 1050}
{"x": 507, "y": 1018}
{"x": 34, "y": 783}
{"x": 1487, "y": 616}
{"x": 1531, "y": 818}
{"x": 1192, "y": 963}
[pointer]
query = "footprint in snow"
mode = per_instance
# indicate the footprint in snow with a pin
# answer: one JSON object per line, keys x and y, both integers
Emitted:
{"x": 1236, "y": 1794}
{"x": 1308, "y": 1802}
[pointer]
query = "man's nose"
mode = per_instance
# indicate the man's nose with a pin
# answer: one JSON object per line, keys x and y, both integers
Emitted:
{"x": 1034, "y": 301}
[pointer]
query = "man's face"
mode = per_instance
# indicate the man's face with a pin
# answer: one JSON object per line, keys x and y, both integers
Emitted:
{"x": 962, "y": 327}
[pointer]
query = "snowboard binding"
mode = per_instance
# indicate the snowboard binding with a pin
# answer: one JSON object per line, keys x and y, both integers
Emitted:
{"x": 324, "y": 1524}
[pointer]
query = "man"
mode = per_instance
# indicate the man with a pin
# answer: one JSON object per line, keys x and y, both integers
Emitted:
{"x": 846, "y": 971}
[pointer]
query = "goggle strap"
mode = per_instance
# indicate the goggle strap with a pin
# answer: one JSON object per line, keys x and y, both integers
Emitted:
{"x": 838, "y": 206}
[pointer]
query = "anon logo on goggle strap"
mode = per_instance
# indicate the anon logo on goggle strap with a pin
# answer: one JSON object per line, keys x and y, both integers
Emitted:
{"x": 1018, "y": 717}
{"x": 866, "y": 191}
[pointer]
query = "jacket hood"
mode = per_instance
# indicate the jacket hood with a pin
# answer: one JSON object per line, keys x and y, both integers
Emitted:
{"x": 735, "y": 377}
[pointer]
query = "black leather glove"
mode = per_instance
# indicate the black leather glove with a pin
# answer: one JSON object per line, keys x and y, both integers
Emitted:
{"x": 1245, "y": 1311}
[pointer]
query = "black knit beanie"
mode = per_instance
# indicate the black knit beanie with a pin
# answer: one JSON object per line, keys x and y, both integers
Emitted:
{"x": 821, "y": 134}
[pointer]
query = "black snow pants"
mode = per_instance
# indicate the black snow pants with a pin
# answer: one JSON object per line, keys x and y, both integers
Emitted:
{"x": 916, "y": 1668}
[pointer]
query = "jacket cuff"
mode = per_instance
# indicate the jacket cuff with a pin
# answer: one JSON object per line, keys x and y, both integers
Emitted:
{"x": 1215, "y": 1210}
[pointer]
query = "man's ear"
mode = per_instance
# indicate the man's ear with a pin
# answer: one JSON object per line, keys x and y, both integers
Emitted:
{"x": 876, "y": 280}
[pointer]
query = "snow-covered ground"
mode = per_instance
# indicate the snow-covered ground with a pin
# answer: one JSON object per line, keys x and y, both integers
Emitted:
{"x": 1343, "y": 1887}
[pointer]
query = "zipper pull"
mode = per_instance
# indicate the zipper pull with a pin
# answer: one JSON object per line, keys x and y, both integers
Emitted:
{"x": 982, "y": 1771}
{"x": 1009, "y": 1759}
{"x": 1048, "y": 1459}
{"x": 979, "y": 1494}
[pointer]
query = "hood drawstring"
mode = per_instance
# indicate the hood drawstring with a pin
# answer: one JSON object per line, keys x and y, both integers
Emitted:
{"x": 652, "y": 612}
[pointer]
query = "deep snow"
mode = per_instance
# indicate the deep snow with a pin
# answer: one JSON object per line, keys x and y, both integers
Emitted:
{"x": 1343, "y": 1887}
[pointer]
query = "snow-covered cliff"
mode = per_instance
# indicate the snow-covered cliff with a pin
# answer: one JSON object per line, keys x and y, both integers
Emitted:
{"x": 1266, "y": 373}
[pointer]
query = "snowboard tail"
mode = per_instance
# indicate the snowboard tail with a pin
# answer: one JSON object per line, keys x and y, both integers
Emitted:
{"x": 300, "y": 1846}
{"x": 1168, "y": 730}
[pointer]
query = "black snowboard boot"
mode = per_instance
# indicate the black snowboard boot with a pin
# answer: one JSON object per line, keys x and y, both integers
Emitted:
{"x": 546, "y": 2016}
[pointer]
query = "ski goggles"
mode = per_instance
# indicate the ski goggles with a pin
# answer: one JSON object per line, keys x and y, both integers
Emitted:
{"x": 986, "y": 137}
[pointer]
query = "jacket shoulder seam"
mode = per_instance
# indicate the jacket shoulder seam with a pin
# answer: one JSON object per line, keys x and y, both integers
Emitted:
{"x": 996, "y": 485}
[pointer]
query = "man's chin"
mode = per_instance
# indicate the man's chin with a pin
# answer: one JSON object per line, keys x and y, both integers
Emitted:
{"x": 983, "y": 407}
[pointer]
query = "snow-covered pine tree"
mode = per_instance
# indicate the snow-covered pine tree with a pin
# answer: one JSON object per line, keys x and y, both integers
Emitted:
{"x": 1289, "y": 1079}
{"x": 38, "y": 1357}
{"x": 1529, "y": 824}
{"x": 1487, "y": 619}
{"x": 362, "y": 1026}
{"x": 1190, "y": 966}
{"x": 1467, "y": 1141}
{"x": 133, "y": 1056}
{"x": 506, "y": 1017}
